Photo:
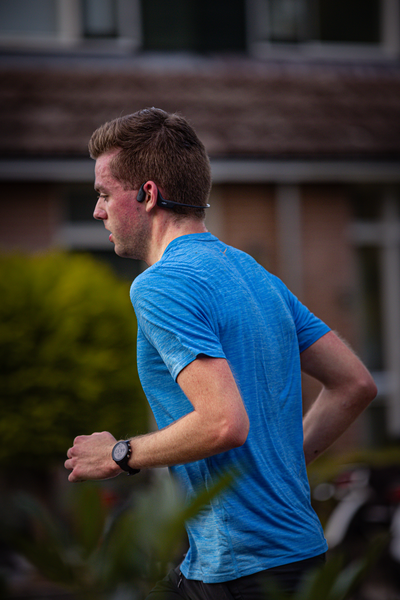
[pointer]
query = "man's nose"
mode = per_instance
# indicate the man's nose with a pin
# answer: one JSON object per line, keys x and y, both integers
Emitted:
{"x": 99, "y": 212}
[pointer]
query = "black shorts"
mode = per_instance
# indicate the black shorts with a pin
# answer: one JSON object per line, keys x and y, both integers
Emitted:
{"x": 251, "y": 587}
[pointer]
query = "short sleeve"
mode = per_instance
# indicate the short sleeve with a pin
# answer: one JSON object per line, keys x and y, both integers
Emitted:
{"x": 172, "y": 316}
{"x": 309, "y": 328}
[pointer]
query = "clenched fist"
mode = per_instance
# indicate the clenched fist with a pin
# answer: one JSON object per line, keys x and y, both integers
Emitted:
{"x": 90, "y": 458}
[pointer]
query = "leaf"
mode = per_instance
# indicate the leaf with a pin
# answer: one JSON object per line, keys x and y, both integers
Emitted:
{"x": 318, "y": 583}
{"x": 352, "y": 576}
{"x": 44, "y": 543}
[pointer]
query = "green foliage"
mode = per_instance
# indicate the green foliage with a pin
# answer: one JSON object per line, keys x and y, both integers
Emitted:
{"x": 99, "y": 553}
{"x": 106, "y": 554}
{"x": 67, "y": 356}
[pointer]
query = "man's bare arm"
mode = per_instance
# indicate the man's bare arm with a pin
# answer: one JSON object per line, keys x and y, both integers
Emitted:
{"x": 347, "y": 390}
{"x": 218, "y": 423}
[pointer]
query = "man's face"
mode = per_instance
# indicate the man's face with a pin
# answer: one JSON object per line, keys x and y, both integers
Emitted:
{"x": 121, "y": 214}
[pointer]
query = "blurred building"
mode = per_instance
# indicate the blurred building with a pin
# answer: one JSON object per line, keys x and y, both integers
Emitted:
{"x": 298, "y": 104}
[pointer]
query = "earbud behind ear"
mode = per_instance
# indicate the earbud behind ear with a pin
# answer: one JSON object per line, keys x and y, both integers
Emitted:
{"x": 141, "y": 194}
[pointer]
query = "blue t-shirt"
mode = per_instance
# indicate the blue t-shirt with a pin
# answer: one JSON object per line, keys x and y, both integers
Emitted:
{"x": 204, "y": 297}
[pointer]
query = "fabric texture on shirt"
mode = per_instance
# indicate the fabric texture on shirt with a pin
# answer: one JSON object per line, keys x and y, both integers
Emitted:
{"x": 206, "y": 298}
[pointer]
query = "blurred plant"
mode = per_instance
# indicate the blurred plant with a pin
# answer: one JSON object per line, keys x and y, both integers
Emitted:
{"x": 335, "y": 580}
{"x": 358, "y": 500}
{"x": 94, "y": 552}
{"x": 67, "y": 356}
{"x": 329, "y": 465}
{"x": 97, "y": 553}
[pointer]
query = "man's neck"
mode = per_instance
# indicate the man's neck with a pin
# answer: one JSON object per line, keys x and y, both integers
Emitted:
{"x": 168, "y": 230}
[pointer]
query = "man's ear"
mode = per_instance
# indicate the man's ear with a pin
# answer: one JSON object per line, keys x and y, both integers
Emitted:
{"x": 150, "y": 191}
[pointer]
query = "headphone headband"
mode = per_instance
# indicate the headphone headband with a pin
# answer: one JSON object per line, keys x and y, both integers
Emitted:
{"x": 163, "y": 202}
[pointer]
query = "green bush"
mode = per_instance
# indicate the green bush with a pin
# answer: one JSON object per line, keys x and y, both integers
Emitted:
{"x": 67, "y": 356}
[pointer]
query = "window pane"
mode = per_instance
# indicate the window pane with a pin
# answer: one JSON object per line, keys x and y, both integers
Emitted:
{"x": 169, "y": 25}
{"x": 28, "y": 17}
{"x": 349, "y": 20}
{"x": 100, "y": 18}
{"x": 346, "y": 21}
{"x": 80, "y": 201}
{"x": 222, "y": 26}
{"x": 367, "y": 203}
{"x": 194, "y": 25}
{"x": 371, "y": 307}
{"x": 286, "y": 20}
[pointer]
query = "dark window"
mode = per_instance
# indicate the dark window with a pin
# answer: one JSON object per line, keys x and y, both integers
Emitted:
{"x": 99, "y": 18}
{"x": 79, "y": 203}
{"x": 287, "y": 20}
{"x": 196, "y": 25}
{"x": 367, "y": 208}
{"x": 349, "y": 21}
{"x": 80, "y": 200}
{"x": 370, "y": 309}
{"x": 367, "y": 203}
{"x": 343, "y": 21}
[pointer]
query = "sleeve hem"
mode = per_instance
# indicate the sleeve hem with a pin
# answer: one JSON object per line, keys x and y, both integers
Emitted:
{"x": 189, "y": 359}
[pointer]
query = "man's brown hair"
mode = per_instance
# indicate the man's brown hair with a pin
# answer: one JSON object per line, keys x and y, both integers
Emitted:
{"x": 161, "y": 147}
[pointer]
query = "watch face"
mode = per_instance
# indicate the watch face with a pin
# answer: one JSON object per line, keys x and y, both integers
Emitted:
{"x": 120, "y": 451}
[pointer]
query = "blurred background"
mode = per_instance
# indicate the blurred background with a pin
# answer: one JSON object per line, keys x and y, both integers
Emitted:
{"x": 298, "y": 104}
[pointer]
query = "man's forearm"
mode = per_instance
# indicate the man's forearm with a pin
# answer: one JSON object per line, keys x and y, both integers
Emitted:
{"x": 347, "y": 390}
{"x": 218, "y": 422}
{"x": 186, "y": 440}
{"x": 189, "y": 439}
{"x": 329, "y": 417}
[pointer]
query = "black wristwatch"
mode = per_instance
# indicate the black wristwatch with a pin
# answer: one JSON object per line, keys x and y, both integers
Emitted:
{"x": 121, "y": 454}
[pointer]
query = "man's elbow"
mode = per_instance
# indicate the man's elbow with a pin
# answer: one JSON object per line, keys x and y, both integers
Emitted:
{"x": 242, "y": 431}
{"x": 365, "y": 390}
{"x": 371, "y": 390}
{"x": 235, "y": 432}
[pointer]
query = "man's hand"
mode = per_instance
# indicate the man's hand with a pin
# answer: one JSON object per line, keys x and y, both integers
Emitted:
{"x": 90, "y": 457}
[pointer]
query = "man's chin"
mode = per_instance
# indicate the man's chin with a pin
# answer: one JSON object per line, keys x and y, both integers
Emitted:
{"x": 122, "y": 253}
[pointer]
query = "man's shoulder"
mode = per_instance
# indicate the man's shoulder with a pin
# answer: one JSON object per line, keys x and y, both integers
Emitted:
{"x": 160, "y": 279}
{"x": 144, "y": 280}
